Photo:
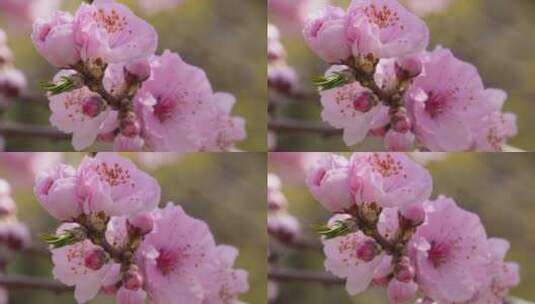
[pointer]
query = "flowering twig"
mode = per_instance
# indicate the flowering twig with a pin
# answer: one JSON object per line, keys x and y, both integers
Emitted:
{"x": 285, "y": 275}
{"x": 24, "y": 282}
{"x": 24, "y": 130}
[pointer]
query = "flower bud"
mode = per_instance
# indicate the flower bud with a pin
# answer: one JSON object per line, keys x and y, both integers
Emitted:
{"x": 282, "y": 78}
{"x": 368, "y": 250}
{"x": 109, "y": 290}
{"x": 401, "y": 293}
{"x": 92, "y": 106}
{"x": 5, "y": 55}
{"x": 130, "y": 127}
{"x": 408, "y": 67}
{"x": 54, "y": 40}
{"x": 404, "y": 271}
{"x": 107, "y": 137}
{"x": 415, "y": 213}
{"x": 132, "y": 278}
{"x": 401, "y": 122}
{"x": 15, "y": 235}
{"x": 399, "y": 142}
{"x": 12, "y": 82}
{"x": 143, "y": 222}
{"x": 283, "y": 226}
{"x": 95, "y": 259}
{"x": 137, "y": 71}
{"x": 329, "y": 183}
{"x": 363, "y": 102}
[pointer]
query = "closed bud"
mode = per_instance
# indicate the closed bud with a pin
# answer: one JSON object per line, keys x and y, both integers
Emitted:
{"x": 132, "y": 278}
{"x": 408, "y": 67}
{"x": 12, "y": 82}
{"x": 367, "y": 250}
{"x": 95, "y": 259}
{"x": 363, "y": 102}
{"x": 92, "y": 106}
{"x": 143, "y": 223}
{"x": 401, "y": 122}
{"x": 404, "y": 271}
{"x": 137, "y": 71}
{"x": 282, "y": 78}
{"x": 414, "y": 213}
{"x": 130, "y": 126}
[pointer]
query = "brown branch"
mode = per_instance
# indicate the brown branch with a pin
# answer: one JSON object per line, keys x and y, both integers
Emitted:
{"x": 288, "y": 275}
{"x": 24, "y": 282}
{"x": 296, "y": 126}
{"x": 37, "y": 131}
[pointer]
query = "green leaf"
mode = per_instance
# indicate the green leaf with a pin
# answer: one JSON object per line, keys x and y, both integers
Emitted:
{"x": 64, "y": 84}
{"x": 331, "y": 81}
{"x": 337, "y": 229}
{"x": 68, "y": 237}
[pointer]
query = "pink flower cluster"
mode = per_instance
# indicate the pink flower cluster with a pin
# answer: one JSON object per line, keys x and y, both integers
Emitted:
{"x": 384, "y": 83}
{"x": 281, "y": 225}
{"x": 398, "y": 238}
{"x": 119, "y": 91}
{"x": 115, "y": 240}
{"x": 14, "y": 235}
{"x": 12, "y": 80}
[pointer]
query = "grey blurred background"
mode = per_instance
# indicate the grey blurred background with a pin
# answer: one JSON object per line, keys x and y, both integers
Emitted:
{"x": 498, "y": 187}
{"x": 494, "y": 35}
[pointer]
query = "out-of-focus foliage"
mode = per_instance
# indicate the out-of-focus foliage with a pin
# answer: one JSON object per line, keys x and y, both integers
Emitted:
{"x": 225, "y": 190}
{"x": 225, "y": 38}
{"x": 494, "y": 35}
{"x": 498, "y": 187}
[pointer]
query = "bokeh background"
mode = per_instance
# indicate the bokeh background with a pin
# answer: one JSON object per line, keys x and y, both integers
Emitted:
{"x": 226, "y": 190}
{"x": 491, "y": 34}
{"x": 225, "y": 38}
{"x": 498, "y": 187}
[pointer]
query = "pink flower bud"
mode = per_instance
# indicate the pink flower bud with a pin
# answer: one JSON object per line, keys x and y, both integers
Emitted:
{"x": 107, "y": 137}
{"x": 329, "y": 183}
{"x": 367, "y": 250}
{"x": 109, "y": 290}
{"x": 54, "y": 39}
{"x": 363, "y": 102}
{"x": 142, "y": 222}
{"x": 92, "y": 106}
{"x": 132, "y": 278}
{"x": 404, "y": 271}
{"x": 414, "y": 213}
{"x": 137, "y": 70}
{"x": 408, "y": 67}
{"x": 5, "y": 54}
{"x": 401, "y": 293}
{"x": 130, "y": 127}
{"x": 12, "y": 82}
{"x": 401, "y": 122}
{"x": 399, "y": 142}
{"x": 95, "y": 259}
{"x": 282, "y": 78}
{"x": 325, "y": 34}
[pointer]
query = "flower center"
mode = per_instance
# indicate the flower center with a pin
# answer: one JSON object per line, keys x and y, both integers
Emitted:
{"x": 438, "y": 254}
{"x": 167, "y": 261}
{"x": 435, "y": 104}
{"x": 164, "y": 109}
{"x": 111, "y": 22}
{"x": 383, "y": 16}
{"x": 386, "y": 166}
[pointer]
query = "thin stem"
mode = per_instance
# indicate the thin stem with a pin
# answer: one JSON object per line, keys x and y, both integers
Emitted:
{"x": 287, "y": 275}
{"x": 25, "y": 282}
{"x": 37, "y": 131}
{"x": 296, "y": 126}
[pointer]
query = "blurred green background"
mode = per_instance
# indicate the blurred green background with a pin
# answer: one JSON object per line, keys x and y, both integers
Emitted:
{"x": 226, "y": 190}
{"x": 498, "y": 187}
{"x": 225, "y": 38}
{"x": 495, "y": 35}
